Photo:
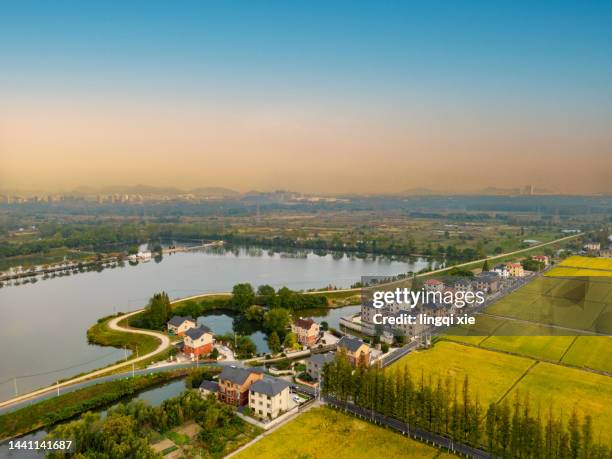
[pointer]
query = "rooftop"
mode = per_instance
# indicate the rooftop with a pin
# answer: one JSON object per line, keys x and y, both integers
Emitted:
{"x": 322, "y": 359}
{"x": 237, "y": 375}
{"x": 304, "y": 323}
{"x": 211, "y": 386}
{"x": 178, "y": 320}
{"x": 196, "y": 333}
{"x": 352, "y": 344}
{"x": 269, "y": 386}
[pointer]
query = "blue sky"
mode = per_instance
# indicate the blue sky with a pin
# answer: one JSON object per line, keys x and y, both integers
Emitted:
{"x": 551, "y": 59}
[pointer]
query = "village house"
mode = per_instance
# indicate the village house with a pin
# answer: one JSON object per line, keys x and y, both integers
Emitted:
{"x": 487, "y": 281}
{"x": 306, "y": 331}
{"x": 356, "y": 350}
{"x": 235, "y": 382}
{"x": 502, "y": 271}
{"x": 542, "y": 259}
{"x": 515, "y": 269}
{"x": 179, "y": 325}
{"x": 208, "y": 387}
{"x": 463, "y": 285}
{"x": 592, "y": 246}
{"x": 434, "y": 285}
{"x": 198, "y": 341}
{"x": 315, "y": 364}
{"x": 269, "y": 398}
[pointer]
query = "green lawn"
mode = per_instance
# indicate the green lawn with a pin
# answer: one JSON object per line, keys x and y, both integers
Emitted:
{"x": 325, "y": 433}
{"x": 491, "y": 373}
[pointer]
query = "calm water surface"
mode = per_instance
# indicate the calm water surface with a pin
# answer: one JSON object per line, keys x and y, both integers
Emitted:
{"x": 153, "y": 397}
{"x": 43, "y": 325}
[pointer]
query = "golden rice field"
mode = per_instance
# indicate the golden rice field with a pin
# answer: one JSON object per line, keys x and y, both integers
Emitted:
{"x": 325, "y": 433}
{"x": 491, "y": 373}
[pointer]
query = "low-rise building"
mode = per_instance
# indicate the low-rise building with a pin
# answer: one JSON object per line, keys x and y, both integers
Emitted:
{"x": 178, "y": 325}
{"x": 315, "y": 364}
{"x": 592, "y": 246}
{"x": 542, "y": 259}
{"x": 235, "y": 382}
{"x": 356, "y": 350}
{"x": 487, "y": 281}
{"x": 515, "y": 269}
{"x": 502, "y": 271}
{"x": 306, "y": 331}
{"x": 434, "y": 285}
{"x": 269, "y": 398}
{"x": 462, "y": 285}
{"x": 208, "y": 387}
{"x": 198, "y": 341}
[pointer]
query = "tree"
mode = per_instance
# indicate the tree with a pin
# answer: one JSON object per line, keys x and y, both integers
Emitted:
{"x": 243, "y": 296}
{"x": 246, "y": 347}
{"x": 324, "y": 326}
{"x": 274, "y": 343}
{"x": 255, "y": 313}
{"x": 158, "y": 311}
{"x": 276, "y": 320}
{"x": 485, "y": 266}
{"x": 290, "y": 341}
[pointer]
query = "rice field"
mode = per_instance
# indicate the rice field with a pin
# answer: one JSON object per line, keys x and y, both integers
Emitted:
{"x": 325, "y": 433}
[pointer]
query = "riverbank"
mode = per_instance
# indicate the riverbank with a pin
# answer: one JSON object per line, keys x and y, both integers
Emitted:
{"x": 65, "y": 406}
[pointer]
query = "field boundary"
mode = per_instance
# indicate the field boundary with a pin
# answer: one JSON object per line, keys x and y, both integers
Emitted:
{"x": 518, "y": 380}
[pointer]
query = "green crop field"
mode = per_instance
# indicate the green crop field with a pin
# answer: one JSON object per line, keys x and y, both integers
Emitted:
{"x": 570, "y": 389}
{"x": 495, "y": 372}
{"x": 540, "y": 347}
{"x": 325, "y": 433}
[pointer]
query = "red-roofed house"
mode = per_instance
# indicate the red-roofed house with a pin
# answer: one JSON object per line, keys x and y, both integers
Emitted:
{"x": 434, "y": 285}
{"x": 306, "y": 331}
{"x": 515, "y": 269}
{"x": 541, "y": 259}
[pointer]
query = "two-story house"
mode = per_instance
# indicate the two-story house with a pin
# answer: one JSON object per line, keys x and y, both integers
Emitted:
{"x": 235, "y": 382}
{"x": 179, "y": 325}
{"x": 268, "y": 398}
{"x": 315, "y": 364}
{"x": 198, "y": 341}
{"x": 356, "y": 350}
{"x": 306, "y": 331}
{"x": 487, "y": 282}
{"x": 515, "y": 269}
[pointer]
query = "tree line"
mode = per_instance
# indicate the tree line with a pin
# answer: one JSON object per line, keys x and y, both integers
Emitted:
{"x": 447, "y": 407}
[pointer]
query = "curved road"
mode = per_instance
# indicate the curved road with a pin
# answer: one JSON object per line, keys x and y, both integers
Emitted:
{"x": 165, "y": 341}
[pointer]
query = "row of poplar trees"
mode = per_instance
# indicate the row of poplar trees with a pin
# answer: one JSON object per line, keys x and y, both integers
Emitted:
{"x": 448, "y": 407}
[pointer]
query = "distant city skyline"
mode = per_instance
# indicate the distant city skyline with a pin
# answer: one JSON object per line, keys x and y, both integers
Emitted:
{"x": 345, "y": 97}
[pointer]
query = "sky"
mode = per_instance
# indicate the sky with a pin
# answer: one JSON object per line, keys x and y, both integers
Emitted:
{"x": 311, "y": 96}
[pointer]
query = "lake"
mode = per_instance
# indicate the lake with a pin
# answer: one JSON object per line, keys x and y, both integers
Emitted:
{"x": 43, "y": 326}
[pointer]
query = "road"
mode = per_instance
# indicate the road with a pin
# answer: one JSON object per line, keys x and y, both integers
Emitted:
{"x": 165, "y": 341}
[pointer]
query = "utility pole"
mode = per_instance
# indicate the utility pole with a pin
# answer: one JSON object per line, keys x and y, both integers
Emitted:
{"x": 133, "y": 375}
{"x": 57, "y": 385}
{"x": 15, "y": 384}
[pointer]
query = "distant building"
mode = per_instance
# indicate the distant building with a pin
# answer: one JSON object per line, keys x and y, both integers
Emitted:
{"x": 198, "y": 341}
{"x": 315, "y": 364}
{"x": 306, "y": 331}
{"x": 502, "y": 271}
{"x": 592, "y": 246}
{"x": 487, "y": 282}
{"x": 542, "y": 259}
{"x": 234, "y": 384}
{"x": 463, "y": 285}
{"x": 208, "y": 387}
{"x": 356, "y": 350}
{"x": 434, "y": 285}
{"x": 268, "y": 398}
{"x": 515, "y": 269}
{"x": 179, "y": 325}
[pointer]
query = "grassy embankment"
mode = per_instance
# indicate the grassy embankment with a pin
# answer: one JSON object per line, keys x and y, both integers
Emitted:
{"x": 66, "y": 406}
{"x": 323, "y": 432}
